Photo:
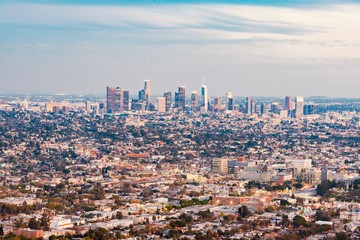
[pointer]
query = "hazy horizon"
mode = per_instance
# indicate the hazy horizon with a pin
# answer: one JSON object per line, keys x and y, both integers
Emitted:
{"x": 251, "y": 48}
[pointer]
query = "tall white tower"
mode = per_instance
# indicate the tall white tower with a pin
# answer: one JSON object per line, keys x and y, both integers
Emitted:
{"x": 228, "y": 96}
{"x": 147, "y": 90}
{"x": 205, "y": 99}
{"x": 299, "y": 106}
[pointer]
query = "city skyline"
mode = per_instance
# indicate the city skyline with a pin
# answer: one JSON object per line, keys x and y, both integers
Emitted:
{"x": 251, "y": 48}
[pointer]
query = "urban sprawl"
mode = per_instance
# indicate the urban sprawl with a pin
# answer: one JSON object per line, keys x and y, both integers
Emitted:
{"x": 179, "y": 166}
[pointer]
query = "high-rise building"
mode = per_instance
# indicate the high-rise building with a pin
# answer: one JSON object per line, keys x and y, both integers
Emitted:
{"x": 194, "y": 101}
{"x": 299, "y": 107}
{"x": 249, "y": 106}
{"x": 218, "y": 104}
{"x": 180, "y": 98}
{"x": 219, "y": 165}
{"x": 275, "y": 107}
{"x": 119, "y": 100}
{"x": 126, "y": 101}
{"x": 102, "y": 107}
{"x": 227, "y": 101}
{"x": 110, "y": 99}
{"x": 205, "y": 99}
{"x": 231, "y": 104}
{"x": 161, "y": 108}
{"x": 263, "y": 109}
{"x": 288, "y": 103}
{"x": 253, "y": 106}
{"x": 168, "y": 101}
{"x": 88, "y": 107}
{"x": 114, "y": 99}
{"x": 310, "y": 108}
{"x": 147, "y": 90}
{"x": 142, "y": 95}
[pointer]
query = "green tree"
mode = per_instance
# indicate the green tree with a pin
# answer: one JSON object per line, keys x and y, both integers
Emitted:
{"x": 34, "y": 224}
{"x": 342, "y": 236}
{"x": 285, "y": 221}
{"x": 299, "y": 221}
{"x": 45, "y": 222}
{"x": 284, "y": 202}
{"x": 187, "y": 218}
{"x": 244, "y": 211}
{"x": 322, "y": 188}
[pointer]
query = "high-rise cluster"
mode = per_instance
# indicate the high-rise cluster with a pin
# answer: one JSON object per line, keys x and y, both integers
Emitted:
{"x": 118, "y": 100}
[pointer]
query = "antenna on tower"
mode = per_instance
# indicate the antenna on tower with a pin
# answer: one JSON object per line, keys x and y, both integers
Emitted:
{"x": 203, "y": 80}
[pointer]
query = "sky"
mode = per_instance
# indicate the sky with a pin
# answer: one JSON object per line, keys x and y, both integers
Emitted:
{"x": 251, "y": 48}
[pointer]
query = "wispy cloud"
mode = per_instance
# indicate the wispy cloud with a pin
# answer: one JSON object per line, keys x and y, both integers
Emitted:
{"x": 330, "y": 26}
{"x": 199, "y": 37}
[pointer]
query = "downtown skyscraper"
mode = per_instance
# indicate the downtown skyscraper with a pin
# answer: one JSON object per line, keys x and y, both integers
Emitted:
{"x": 299, "y": 106}
{"x": 229, "y": 101}
{"x": 194, "y": 101}
{"x": 180, "y": 98}
{"x": 288, "y": 103}
{"x": 168, "y": 101}
{"x": 205, "y": 98}
{"x": 115, "y": 99}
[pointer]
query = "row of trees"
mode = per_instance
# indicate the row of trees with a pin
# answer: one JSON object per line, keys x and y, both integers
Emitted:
{"x": 323, "y": 188}
{"x": 39, "y": 224}
{"x": 15, "y": 209}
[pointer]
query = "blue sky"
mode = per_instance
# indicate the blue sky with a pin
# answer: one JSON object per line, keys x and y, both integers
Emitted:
{"x": 251, "y": 48}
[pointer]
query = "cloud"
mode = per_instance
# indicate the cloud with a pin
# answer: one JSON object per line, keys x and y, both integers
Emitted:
{"x": 177, "y": 43}
{"x": 235, "y": 22}
{"x": 329, "y": 32}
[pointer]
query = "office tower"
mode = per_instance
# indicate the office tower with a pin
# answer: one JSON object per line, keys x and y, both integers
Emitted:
{"x": 142, "y": 95}
{"x": 288, "y": 103}
{"x": 299, "y": 107}
{"x": 231, "y": 104}
{"x": 219, "y": 165}
{"x": 248, "y": 106}
{"x": 126, "y": 101}
{"x": 253, "y": 106}
{"x": 168, "y": 101}
{"x": 110, "y": 99}
{"x": 263, "y": 109}
{"x": 204, "y": 95}
{"x": 101, "y": 107}
{"x": 88, "y": 107}
{"x": 310, "y": 108}
{"x": 95, "y": 108}
{"x": 147, "y": 90}
{"x": 176, "y": 105}
{"x": 194, "y": 101}
{"x": 218, "y": 104}
{"x": 227, "y": 101}
{"x": 180, "y": 98}
{"x": 136, "y": 104}
{"x": 161, "y": 108}
{"x": 114, "y": 99}
{"x": 119, "y": 100}
{"x": 275, "y": 107}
